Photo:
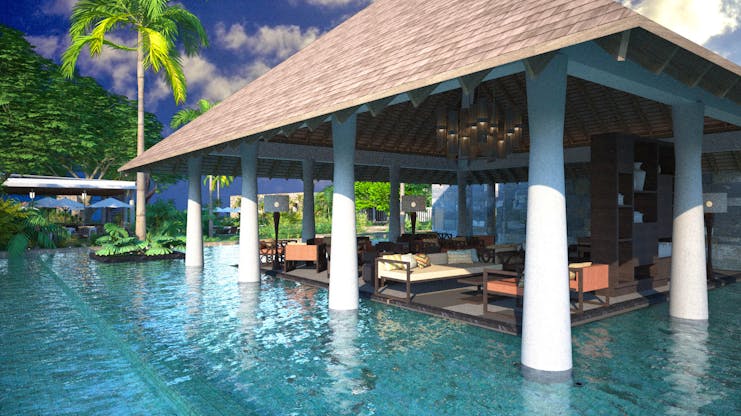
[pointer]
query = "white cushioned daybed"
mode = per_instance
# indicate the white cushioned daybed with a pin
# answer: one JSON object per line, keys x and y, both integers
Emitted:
{"x": 442, "y": 266}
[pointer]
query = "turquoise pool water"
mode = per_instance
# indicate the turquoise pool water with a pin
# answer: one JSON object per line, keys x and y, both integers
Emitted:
{"x": 78, "y": 337}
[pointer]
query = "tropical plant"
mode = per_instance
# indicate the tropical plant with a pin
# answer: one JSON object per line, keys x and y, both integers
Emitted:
{"x": 12, "y": 217}
{"x": 38, "y": 231}
{"x": 118, "y": 242}
{"x": 158, "y": 25}
{"x": 158, "y": 245}
{"x": 165, "y": 219}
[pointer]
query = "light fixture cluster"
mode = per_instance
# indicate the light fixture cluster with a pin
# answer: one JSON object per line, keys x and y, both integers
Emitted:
{"x": 478, "y": 129}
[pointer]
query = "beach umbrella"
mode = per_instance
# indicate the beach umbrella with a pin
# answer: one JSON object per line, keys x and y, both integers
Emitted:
{"x": 110, "y": 203}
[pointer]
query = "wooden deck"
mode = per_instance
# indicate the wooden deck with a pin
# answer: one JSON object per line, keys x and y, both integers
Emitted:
{"x": 452, "y": 300}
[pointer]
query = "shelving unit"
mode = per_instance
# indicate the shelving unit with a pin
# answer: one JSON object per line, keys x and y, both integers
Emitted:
{"x": 631, "y": 248}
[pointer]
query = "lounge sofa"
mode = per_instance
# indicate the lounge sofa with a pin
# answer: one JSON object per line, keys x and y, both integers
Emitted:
{"x": 404, "y": 271}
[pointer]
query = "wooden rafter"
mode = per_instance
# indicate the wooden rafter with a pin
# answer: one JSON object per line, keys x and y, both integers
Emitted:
{"x": 661, "y": 68}
{"x": 595, "y": 115}
{"x": 420, "y": 94}
{"x": 702, "y": 74}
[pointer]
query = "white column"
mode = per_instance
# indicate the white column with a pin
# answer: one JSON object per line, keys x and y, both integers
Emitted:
{"x": 308, "y": 227}
{"x": 343, "y": 285}
{"x": 249, "y": 243}
{"x": 462, "y": 206}
{"x": 194, "y": 227}
{"x": 688, "y": 298}
{"x": 546, "y": 319}
{"x": 394, "y": 203}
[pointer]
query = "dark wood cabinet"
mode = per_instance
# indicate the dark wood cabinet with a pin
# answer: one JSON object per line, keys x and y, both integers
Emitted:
{"x": 627, "y": 221}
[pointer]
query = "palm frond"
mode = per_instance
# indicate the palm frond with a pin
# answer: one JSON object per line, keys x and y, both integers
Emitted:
{"x": 183, "y": 117}
{"x": 189, "y": 29}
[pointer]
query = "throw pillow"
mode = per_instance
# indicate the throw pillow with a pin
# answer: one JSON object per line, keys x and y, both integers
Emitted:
{"x": 391, "y": 266}
{"x": 572, "y": 275}
{"x": 409, "y": 258}
{"x": 423, "y": 260}
{"x": 459, "y": 257}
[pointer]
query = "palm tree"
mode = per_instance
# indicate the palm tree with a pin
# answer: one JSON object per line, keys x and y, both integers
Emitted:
{"x": 158, "y": 25}
{"x": 183, "y": 117}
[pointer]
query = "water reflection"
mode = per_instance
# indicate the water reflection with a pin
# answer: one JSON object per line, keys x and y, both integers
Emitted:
{"x": 193, "y": 299}
{"x": 545, "y": 398}
{"x": 343, "y": 365}
{"x": 249, "y": 302}
{"x": 688, "y": 366}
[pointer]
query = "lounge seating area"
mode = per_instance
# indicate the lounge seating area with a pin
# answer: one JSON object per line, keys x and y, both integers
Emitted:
{"x": 418, "y": 268}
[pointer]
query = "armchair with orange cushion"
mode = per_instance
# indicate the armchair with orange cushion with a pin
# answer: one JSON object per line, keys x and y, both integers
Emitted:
{"x": 583, "y": 277}
{"x": 589, "y": 277}
{"x": 306, "y": 253}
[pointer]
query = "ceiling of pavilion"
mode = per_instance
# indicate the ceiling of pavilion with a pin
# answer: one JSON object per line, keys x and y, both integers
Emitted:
{"x": 591, "y": 109}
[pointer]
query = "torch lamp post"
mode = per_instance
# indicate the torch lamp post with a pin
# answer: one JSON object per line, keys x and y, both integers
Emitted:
{"x": 413, "y": 204}
{"x": 32, "y": 195}
{"x": 276, "y": 204}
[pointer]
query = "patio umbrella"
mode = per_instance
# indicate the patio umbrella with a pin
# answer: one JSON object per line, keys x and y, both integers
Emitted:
{"x": 110, "y": 203}
{"x": 47, "y": 202}
{"x": 69, "y": 204}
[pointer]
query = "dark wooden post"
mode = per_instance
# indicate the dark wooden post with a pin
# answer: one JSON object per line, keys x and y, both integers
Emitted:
{"x": 276, "y": 224}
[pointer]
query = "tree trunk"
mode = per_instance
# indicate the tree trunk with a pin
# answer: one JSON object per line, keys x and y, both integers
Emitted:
{"x": 141, "y": 177}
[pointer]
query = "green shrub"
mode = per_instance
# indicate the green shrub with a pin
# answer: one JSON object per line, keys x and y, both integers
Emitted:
{"x": 37, "y": 231}
{"x": 118, "y": 242}
{"x": 12, "y": 217}
{"x": 164, "y": 219}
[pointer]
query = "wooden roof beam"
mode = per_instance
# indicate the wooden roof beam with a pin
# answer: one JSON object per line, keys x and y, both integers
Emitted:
{"x": 702, "y": 74}
{"x": 471, "y": 81}
{"x": 535, "y": 65}
{"x": 661, "y": 68}
{"x": 622, "y": 52}
{"x": 729, "y": 88}
{"x": 420, "y": 94}
{"x": 376, "y": 107}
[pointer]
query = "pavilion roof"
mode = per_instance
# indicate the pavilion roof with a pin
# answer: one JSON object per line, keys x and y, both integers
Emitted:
{"x": 394, "y": 47}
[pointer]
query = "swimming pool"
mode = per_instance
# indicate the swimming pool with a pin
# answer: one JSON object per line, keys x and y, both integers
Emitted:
{"x": 83, "y": 337}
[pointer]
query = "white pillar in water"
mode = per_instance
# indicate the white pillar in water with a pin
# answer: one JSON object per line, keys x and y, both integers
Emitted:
{"x": 308, "y": 227}
{"x": 546, "y": 318}
{"x": 343, "y": 285}
{"x": 394, "y": 204}
{"x": 194, "y": 227}
{"x": 688, "y": 295}
{"x": 462, "y": 205}
{"x": 249, "y": 243}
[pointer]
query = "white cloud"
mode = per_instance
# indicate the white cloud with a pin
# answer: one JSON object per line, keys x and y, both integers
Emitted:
{"x": 278, "y": 42}
{"x": 697, "y": 20}
{"x": 117, "y": 66}
{"x": 206, "y": 80}
{"x": 49, "y": 47}
{"x": 58, "y": 7}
